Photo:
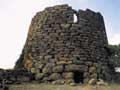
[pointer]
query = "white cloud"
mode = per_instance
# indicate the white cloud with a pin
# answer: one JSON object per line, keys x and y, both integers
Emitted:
{"x": 114, "y": 39}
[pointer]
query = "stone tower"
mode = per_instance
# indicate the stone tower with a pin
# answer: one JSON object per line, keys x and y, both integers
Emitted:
{"x": 58, "y": 49}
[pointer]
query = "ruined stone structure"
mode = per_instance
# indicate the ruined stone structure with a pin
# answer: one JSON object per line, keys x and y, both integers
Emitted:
{"x": 58, "y": 49}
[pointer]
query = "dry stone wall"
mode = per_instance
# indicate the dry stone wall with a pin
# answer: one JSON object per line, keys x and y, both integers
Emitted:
{"x": 60, "y": 50}
{"x": 10, "y": 76}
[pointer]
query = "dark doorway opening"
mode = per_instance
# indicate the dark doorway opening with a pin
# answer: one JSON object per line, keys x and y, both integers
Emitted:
{"x": 78, "y": 77}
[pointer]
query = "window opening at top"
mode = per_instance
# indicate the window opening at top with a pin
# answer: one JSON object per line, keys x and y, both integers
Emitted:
{"x": 75, "y": 18}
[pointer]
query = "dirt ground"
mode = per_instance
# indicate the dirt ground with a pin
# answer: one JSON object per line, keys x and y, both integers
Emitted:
{"x": 63, "y": 87}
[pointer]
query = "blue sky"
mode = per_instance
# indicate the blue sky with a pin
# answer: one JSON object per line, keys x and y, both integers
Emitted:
{"x": 15, "y": 18}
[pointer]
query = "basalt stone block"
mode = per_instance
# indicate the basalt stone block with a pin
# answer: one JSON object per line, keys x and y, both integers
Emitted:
{"x": 47, "y": 70}
{"x": 61, "y": 62}
{"x": 45, "y": 79}
{"x": 65, "y": 26}
{"x": 75, "y": 61}
{"x": 68, "y": 75}
{"x": 73, "y": 67}
{"x": 92, "y": 81}
{"x": 58, "y": 68}
{"x": 94, "y": 75}
{"x": 92, "y": 69}
{"x": 68, "y": 81}
{"x": 55, "y": 76}
{"x": 33, "y": 70}
{"x": 86, "y": 74}
{"x": 39, "y": 76}
{"x": 60, "y": 81}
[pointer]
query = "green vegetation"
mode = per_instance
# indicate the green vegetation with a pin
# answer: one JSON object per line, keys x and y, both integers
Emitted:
{"x": 115, "y": 55}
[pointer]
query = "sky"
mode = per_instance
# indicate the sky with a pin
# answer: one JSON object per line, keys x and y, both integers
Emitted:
{"x": 16, "y": 15}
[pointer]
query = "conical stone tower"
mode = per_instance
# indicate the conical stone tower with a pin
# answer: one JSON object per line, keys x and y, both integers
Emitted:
{"x": 58, "y": 49}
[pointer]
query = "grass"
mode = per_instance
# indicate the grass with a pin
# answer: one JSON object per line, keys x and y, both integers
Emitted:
{"x": 62, "y": 87}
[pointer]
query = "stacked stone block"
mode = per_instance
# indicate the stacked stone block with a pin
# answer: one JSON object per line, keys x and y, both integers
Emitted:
{"x": 57, "y": 47}
{"x": 10, "y": 76}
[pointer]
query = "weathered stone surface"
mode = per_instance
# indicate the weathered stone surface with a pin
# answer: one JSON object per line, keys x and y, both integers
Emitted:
{"x": 33, "y": 70}
{"x": 94, "y": 75}
{"x": 68, "y": 81}
{"x": 67, "y": 75}
{"x": 101, "y": 82}
{"x": 86, "y": 74}
{"x": 23, "y": 79}
{"x": 92, "y": 81}
{"x": 92, "y": 70}
{"x": 73, "y": 67}
{"x": 15, "y": 76}
{"x": 58, "y": 68}
{"x": 48, "y": 68}
{"x": 57, "y": 46}
{"x": 54, "y": 76}
{"x": 39, "y": 76}
{"x": 60, "y": 81}
{"x": 72, "y": 84}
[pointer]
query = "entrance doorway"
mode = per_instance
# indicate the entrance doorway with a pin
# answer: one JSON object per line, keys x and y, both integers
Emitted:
{"x": 78, "y": 77}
